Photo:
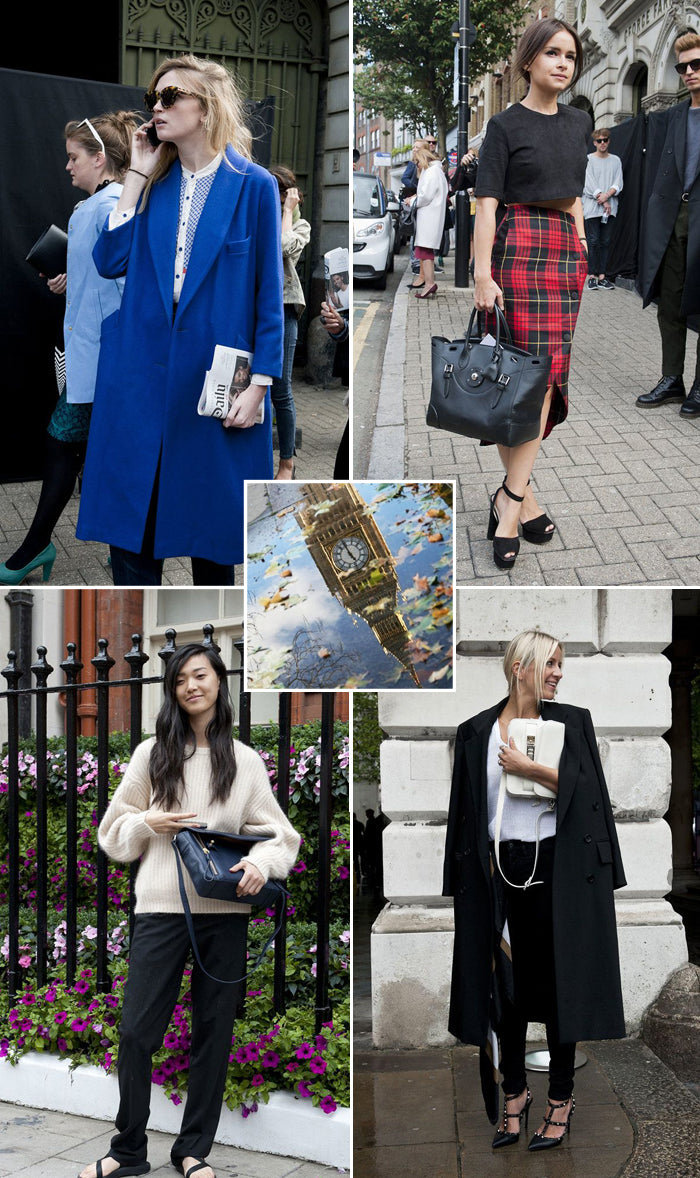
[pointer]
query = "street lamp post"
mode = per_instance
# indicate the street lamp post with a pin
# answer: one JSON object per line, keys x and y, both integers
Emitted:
{"x": 467, "y": 36}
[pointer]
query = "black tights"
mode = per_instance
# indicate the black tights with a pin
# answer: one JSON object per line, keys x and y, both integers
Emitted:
{"x": 513, "y": 1031}
{"x": 63, "y": 463}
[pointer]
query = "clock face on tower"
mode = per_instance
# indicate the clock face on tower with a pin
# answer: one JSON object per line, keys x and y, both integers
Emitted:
{"x": 350, "y": 553}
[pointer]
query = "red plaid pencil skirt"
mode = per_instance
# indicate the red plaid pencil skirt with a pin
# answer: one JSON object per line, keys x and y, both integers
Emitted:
{"x": 541, "y": 267}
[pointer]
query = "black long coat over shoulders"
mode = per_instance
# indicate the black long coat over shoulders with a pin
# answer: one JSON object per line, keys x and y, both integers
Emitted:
{"x": 587, "y": 868}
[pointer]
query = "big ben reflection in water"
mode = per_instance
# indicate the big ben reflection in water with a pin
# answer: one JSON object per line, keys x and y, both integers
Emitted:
{"x": 349, "y": 585}
{"x": 354, "y": 560}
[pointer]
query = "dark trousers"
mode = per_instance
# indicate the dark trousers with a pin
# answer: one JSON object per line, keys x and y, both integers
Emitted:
{"x": 531, "y": 932}
{"x": 157, "y": 958}
{"x": 672, "y": 324}
{"x": 598, "y": 238}
{"x": 143, "y": 568}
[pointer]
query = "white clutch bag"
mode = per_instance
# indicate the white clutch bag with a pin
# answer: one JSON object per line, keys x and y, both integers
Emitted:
{"x": 542, "y": 741}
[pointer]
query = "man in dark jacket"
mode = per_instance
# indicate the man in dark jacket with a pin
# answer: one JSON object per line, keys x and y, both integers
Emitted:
{"x": 670, "y": 271}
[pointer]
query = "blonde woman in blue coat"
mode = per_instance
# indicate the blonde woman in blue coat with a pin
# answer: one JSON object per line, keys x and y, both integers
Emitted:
{"x": 197, "y": 234}
{"x": 98, "y": 156}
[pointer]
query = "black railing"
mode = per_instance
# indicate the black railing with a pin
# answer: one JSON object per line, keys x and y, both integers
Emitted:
{"x": 71, "y": 690}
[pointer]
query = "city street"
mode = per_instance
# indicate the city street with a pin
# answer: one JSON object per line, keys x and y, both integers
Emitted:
{"x": 621, "y": 482}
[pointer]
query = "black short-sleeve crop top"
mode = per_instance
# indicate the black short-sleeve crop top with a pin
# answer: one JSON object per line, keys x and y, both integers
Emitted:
{"x": 528, "y": 157}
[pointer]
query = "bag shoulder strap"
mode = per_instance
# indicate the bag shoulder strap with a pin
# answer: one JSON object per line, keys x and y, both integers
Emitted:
{"x": 193, "y": 938}
{"x": 531, "y": 882}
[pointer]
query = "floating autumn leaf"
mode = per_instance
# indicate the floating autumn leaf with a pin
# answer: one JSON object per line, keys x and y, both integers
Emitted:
{"x": 440, "y": 612}
{"x": 287, "y": 573}
{"x": 436, "y": 676}
{"x": 323, "y": 652}
{"x": 421, "y": 583}
{"x": 436, "y": 513}
{"x": 435, "y": 538}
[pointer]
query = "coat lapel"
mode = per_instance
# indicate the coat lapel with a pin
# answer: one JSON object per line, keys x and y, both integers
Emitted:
{"x": 681, "y": 113}
{"x": 476, "y": 755}
{"x": 214, "y": 223}
{"x": 164, "y": 202}
{"x": 570, "y": 758}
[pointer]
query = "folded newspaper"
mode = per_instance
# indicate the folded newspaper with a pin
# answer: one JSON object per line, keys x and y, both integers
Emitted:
{"x": 228, "y": 376}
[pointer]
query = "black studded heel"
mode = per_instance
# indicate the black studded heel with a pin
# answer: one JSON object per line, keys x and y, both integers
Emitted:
{"x": 540, "y": 529}
{"x": 503, "y": 1137}
{"x": 502, "y": 545}
{"x": 539, "y": 1141}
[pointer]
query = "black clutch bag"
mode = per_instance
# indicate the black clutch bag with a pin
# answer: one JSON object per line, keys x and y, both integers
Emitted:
{"x": 493, "y": 392}
{"x": 49, "y": 254}
{"x": 208, "y": 856}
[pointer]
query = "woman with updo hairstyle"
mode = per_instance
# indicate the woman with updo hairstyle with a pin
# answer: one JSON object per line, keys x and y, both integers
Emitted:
{"x": 196, "y": 233}
{"x": 98, "y": 155}
{"x": 535, "y": 929}
{"x": 192, "y": 773}
{"x": 431, "y": 202}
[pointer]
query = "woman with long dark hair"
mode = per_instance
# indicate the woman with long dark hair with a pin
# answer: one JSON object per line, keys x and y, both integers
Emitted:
{"x": 532, "y": 878}
{"x": 98, "y": 155}
{"x": 191, "y": 773}
{"x": 197, "y": 234}
{"x": 530, "y": 256}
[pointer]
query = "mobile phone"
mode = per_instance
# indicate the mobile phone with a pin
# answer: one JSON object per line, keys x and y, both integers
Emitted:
{"x": 151, "y": 134}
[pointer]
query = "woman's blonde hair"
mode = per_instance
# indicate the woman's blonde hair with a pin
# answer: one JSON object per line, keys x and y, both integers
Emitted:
{"x": 221, "y": 102}
{"x": 115, "y": 129}
{"x": 528, "y": 647}
{"x": 425, "y": 157}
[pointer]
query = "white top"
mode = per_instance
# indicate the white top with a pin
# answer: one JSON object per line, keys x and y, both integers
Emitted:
{"x": 601, "y": 176}
{"x": 194, "y": 190}
{"x": 251, "y": 808}
{"x": 519, "y": 814}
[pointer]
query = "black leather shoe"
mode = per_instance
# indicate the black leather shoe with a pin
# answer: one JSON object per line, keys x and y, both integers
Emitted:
{"x": 669, "y": 388}
{"x": 691, "y": 405}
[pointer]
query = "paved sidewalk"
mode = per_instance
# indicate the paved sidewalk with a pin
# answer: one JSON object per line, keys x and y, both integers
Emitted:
{"x": 622, "y": 483}
{"x": 38, "y": 1144}
{"x": 321, "y": 416}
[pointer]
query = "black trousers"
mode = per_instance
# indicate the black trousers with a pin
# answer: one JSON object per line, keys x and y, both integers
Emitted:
{"x": 531, "y": 932}
{"x": 598, "y": 238}
{"x": 672, "y": 324}
{"x": 157, "y": 958}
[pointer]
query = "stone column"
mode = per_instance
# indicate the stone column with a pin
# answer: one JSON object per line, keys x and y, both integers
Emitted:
{"x": 614, "y": 639}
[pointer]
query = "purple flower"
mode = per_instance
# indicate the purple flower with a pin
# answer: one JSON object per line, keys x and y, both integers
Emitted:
{"x": 328, "y": 1104}
{"x": 257, "y": 1080}
{"x": 61, "y": 1044}
{"x": 78, "y": 1024}
{"x": 305, "y": 1051}
{"x": 270, "y": 1059}
{"x": 304, "y": 1090}
{"x": 60, "y": 1017}
{"x": 318, "y": 1065}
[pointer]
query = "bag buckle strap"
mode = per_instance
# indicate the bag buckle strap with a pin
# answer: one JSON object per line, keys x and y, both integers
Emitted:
{"x": 503, "y": 379}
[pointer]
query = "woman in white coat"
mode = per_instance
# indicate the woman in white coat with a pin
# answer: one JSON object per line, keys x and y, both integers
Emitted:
{"x": 431, "y": 200}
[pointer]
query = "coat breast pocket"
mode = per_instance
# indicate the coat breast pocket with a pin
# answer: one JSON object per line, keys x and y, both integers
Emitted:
{"x": 242, "y": 246}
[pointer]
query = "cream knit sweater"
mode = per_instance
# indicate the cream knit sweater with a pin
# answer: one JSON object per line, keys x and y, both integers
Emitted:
{"x": 251, "y": 808}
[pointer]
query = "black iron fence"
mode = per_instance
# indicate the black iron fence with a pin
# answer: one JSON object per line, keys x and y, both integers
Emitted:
{"x": 71, "y": 690}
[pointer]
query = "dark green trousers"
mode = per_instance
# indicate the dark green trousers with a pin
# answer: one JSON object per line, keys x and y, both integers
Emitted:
{"x": 672, "y": 324}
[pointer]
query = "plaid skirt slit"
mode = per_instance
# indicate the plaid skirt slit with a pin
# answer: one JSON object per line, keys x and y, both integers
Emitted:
{"x": 541, "y": 267}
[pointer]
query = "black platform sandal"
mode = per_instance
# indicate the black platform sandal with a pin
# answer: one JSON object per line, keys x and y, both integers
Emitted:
{"x": 535, "y": 530}
{"x": 502, "y": 545}
{"x": 539, "y": 1141}
{"x": 502, "y": 1136}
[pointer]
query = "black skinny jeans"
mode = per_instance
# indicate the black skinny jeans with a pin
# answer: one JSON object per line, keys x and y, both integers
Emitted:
{"x": 532, "y": 947}
{"x": 157, "y": 958}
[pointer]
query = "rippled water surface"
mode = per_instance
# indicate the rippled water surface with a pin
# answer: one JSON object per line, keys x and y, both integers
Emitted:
{"x": 310, "y": 621}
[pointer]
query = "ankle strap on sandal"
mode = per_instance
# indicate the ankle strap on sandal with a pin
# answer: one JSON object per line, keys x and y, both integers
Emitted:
{"x": 509, "y": 493}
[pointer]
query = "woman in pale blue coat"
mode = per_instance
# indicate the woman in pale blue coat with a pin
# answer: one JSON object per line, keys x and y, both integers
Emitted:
{"x": 98, "y": 156}
{"x": 197, "y": 233}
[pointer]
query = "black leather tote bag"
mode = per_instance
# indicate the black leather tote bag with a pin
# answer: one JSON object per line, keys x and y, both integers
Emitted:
{"x": 493, "y": 392}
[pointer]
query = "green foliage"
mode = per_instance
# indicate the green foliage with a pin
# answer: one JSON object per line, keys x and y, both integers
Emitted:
{"x": 406, "y": 49}
{"x": 366, "y": 735}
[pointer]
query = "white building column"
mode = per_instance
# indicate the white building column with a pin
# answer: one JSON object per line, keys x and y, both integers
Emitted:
{"x": 614, "y": 666}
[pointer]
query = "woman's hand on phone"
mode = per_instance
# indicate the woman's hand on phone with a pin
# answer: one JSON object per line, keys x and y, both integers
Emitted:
{"x": 144, "y": 156}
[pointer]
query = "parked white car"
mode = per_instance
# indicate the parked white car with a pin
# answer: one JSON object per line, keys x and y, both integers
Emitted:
{"x": 373, "y": 230}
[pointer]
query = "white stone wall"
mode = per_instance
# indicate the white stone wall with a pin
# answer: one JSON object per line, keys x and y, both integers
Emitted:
{"x": 614, "y": 665}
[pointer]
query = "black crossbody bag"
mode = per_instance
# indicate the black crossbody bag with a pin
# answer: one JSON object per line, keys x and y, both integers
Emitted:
{"x": 208, "y": 856}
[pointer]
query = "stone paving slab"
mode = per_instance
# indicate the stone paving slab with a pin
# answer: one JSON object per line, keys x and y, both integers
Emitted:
{"x": 321, "y": 416}
{"x": 39, "y": 1144}
{"x": 622, "y": 483}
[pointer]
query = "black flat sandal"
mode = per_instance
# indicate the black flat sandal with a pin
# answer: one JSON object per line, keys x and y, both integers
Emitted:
{"x": 201, "y": 1164}
{"x": 535, "y": 530}
{"x": 502, "y": 545}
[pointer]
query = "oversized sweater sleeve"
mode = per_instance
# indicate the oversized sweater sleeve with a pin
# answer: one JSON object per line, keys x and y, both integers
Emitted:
{"x": 263, "y": 816}
{"x": 123, "y": 833}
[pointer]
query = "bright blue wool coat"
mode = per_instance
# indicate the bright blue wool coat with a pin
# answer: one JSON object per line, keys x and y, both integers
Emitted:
{"x": 152, "y": 368}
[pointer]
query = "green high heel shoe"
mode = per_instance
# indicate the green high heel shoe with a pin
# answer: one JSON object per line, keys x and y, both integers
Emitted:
{"x": 45, "y": 559}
